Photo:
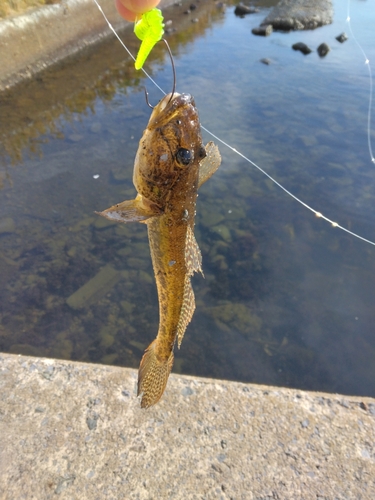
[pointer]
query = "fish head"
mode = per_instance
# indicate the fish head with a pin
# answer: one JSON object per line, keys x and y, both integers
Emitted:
{"x": 170, "y": 149}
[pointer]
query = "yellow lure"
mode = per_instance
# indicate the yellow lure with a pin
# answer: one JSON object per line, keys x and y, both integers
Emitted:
{"x": 150, "y": 30}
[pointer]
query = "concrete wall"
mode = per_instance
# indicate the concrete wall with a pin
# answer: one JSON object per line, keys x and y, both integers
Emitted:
{"x": 32, "y": 41}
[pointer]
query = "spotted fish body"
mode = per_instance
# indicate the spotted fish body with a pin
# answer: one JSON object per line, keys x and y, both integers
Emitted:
{"x": 170, "y": 165}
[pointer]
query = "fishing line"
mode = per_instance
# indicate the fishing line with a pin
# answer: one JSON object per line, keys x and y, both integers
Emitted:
{"x": 317, "y": 213}
{"x": 367, "y": 62}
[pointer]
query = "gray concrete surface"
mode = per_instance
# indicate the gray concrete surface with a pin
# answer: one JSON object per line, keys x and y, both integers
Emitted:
{"x": 32, "y": 41}
{"x": 300, "y": 15}
{"x": 76, "y": 431}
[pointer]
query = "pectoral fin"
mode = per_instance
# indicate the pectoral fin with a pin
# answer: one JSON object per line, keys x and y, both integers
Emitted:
{"x": 138, "y": 210}
{"x": 209, "y": 164}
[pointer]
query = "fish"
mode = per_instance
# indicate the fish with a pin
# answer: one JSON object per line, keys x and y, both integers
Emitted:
{"x": 170, "y": 166}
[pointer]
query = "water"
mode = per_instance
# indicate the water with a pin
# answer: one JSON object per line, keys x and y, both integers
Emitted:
{"x": 286, "y": 299}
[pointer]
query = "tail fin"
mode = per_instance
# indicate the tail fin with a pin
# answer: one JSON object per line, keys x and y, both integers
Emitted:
{"x": 153, "y": 376}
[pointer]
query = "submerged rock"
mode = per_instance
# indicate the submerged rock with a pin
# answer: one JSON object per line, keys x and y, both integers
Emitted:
{"x": 291, "y": 15}
{"x": 7, "y": 225}
{"x": 323, "y": 49}
{"x": 342, "y": 37}
{"x": 243, "y": 10}
{"x": 235, "y": 316}
{"x": 302, "y": 47}
{"x": 95, "y": 288}
{"x": 264, "y": 30}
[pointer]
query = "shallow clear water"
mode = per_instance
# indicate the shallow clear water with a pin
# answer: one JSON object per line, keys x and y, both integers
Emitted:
{"x": 286, "y": 299}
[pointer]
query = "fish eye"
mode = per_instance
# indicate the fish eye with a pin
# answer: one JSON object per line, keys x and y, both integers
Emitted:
{"x": 184, "y": 156}
{"x": 202, "y": 153}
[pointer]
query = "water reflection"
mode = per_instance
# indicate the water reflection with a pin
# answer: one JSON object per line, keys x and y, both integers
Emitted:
{"x": 286, "y": 299}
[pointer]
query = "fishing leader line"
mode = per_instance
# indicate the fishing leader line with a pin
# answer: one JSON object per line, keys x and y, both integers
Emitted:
{"x": 317, "y": 213}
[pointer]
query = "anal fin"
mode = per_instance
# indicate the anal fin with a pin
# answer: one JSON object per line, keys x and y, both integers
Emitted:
{"x": 187, "y": 310}
{"x": 193, "y": 256}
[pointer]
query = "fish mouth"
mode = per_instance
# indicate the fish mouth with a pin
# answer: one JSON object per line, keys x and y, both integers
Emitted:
{"x": 176, "y": 100}
{"x": 170, "y": 106}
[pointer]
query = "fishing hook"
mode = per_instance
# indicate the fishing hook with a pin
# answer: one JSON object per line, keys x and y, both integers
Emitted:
{"x": 174, "y": 76}
{"x": 146, "y": 97}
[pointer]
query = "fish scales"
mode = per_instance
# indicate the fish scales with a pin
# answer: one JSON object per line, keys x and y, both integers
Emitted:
{"x": 170, "y": 165}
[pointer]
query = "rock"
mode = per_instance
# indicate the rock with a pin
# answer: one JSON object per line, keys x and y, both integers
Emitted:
{"x": 128, "y": 307}
{"x": 75, "y": 137}
{"x": 169, "y": 31}
{"x": 135, "y": 263}
{"x": 109, "y": 359}
{"x": 95, "y": 288}
{"x": 145, "y": 277}
{"x": 102, "y": 224}
{"x": 342, "y": 38}
{"x": 187, "y": 391}
{"x": 96, "y": 127}
{"x": 234, "y": 316}
{"x": 221, "y": 6}
{"x": 290, "y": 15}
{"x": 137, "y": 345}
{"x": 82, "y": 224}
{"x": 237, "y": 214}
{"x": 223, "y": 231}
{"x": 119, "y": 176}
{"x": 264, "y": 30}
{"x": 243, "y": 10}
{"x": 308, "y": 141}
{"x": 124, "y": 252}
{"x": 106, "y": 335}
{"x": 25, "y": 350}
{"x": 265, "y": 61}
{"x": 302, "y": 47}
{"x": 92, "y": 421}
{"x": 7, "y": 225}
{"x": 210, "y": 216}
{"x": 323, "y": 49}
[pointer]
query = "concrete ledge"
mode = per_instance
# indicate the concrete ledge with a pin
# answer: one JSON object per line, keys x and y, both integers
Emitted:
{"x": 34, "y": 40}
{"x": 43, "y": 36}
{"x": 77, "y": 431}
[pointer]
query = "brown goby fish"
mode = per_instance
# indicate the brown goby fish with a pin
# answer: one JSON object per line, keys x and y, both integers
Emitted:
{"x": 170, "y": 165}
